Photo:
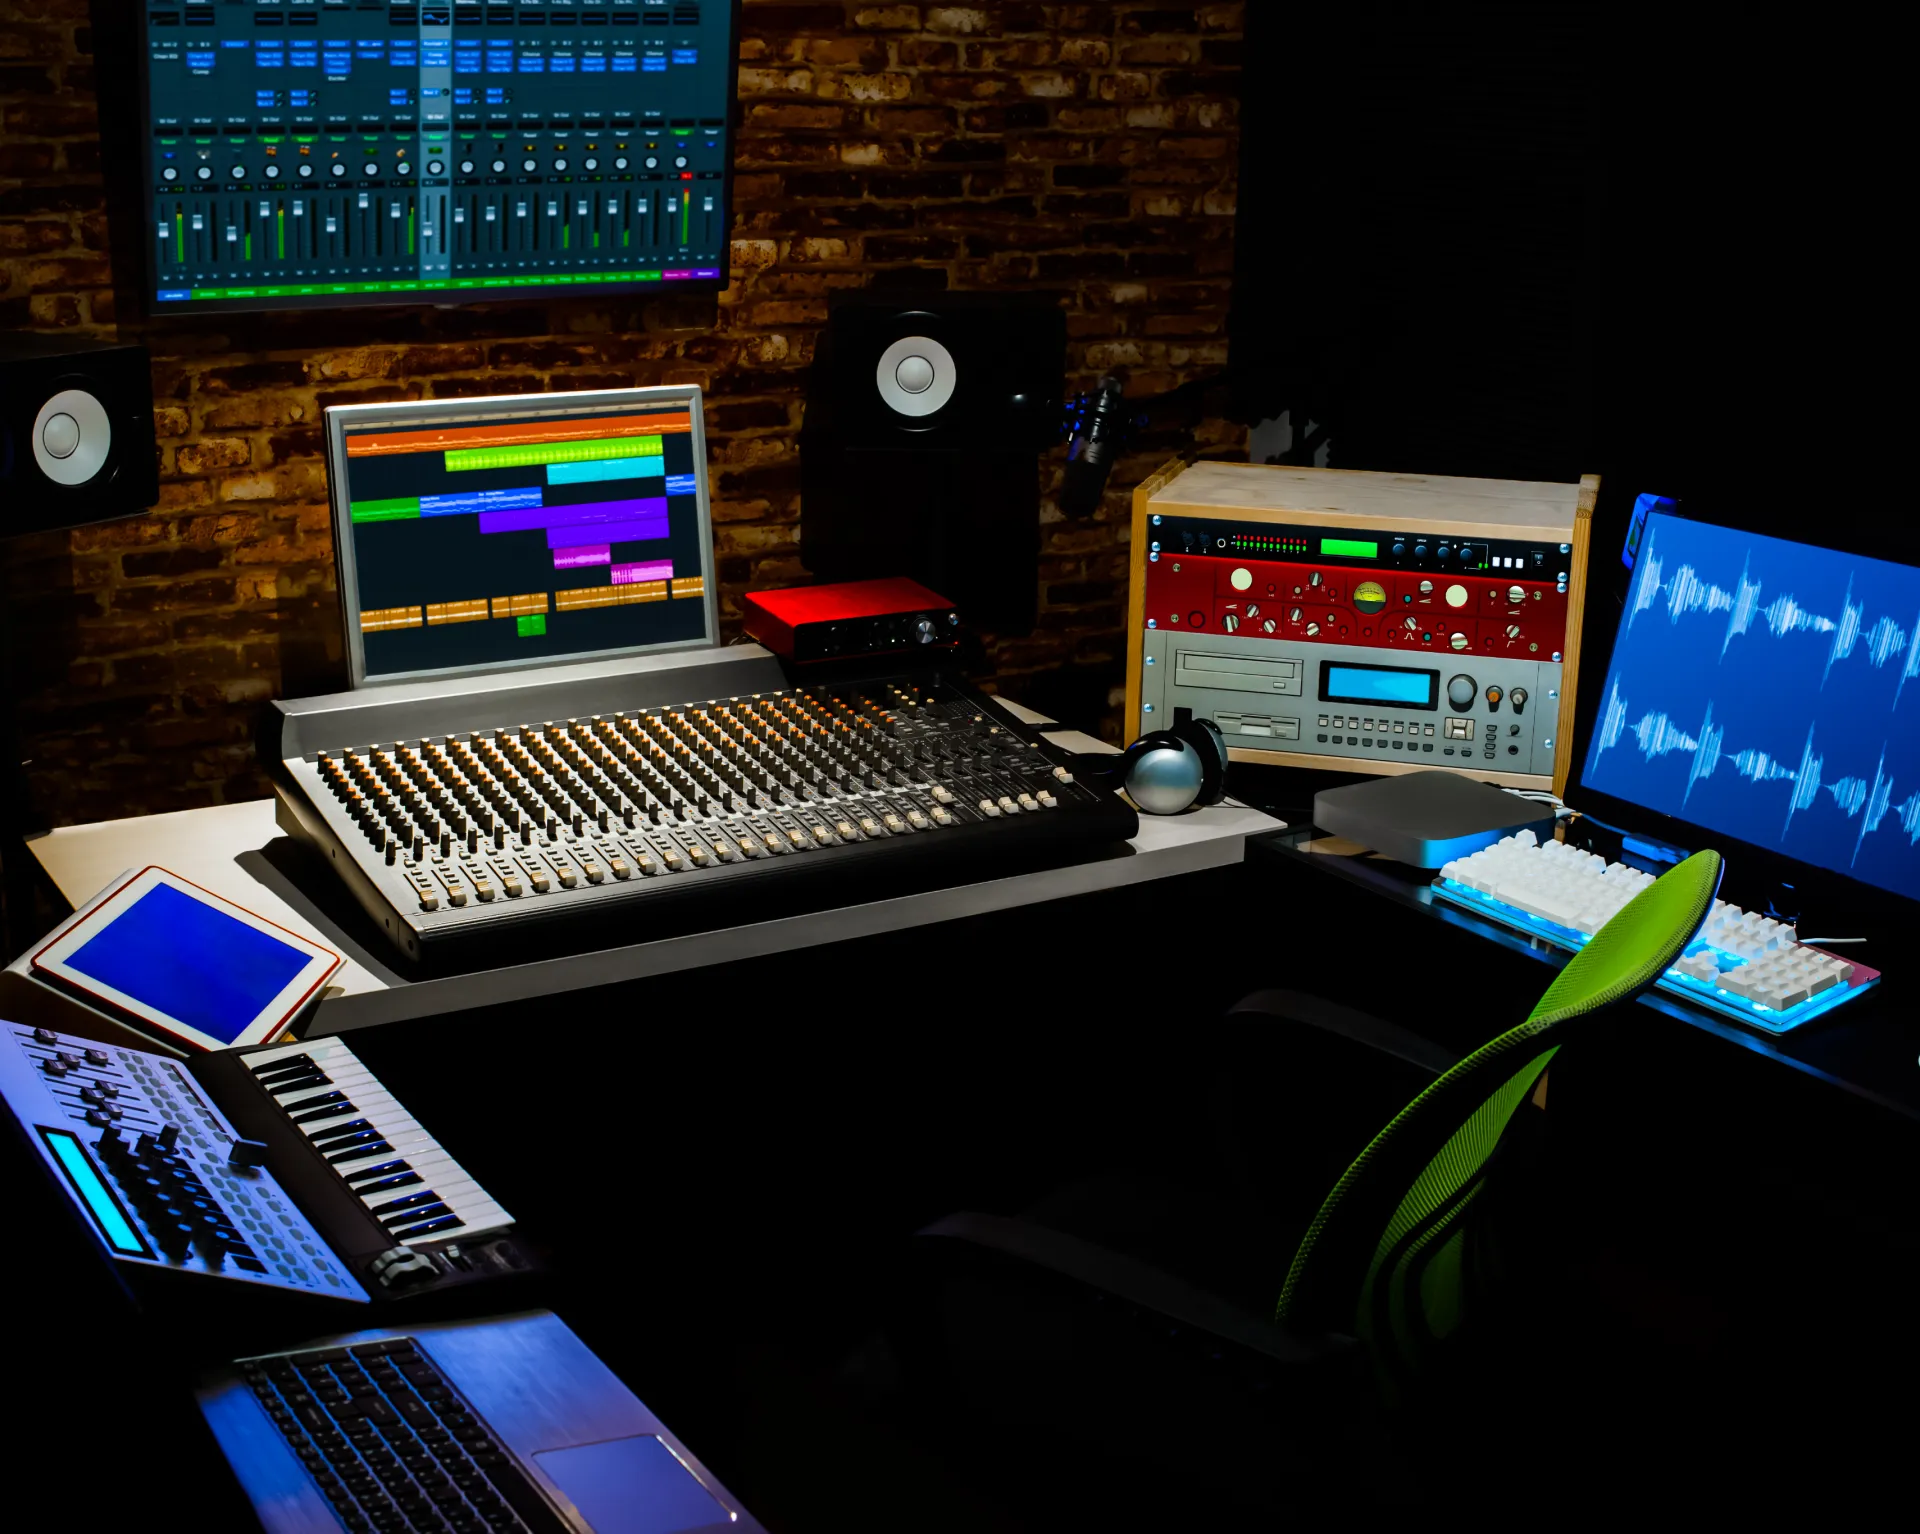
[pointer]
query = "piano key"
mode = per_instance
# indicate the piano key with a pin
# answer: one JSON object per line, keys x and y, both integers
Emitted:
{"x": 330, "y": 1133}
{"x": 360, "y": 1152}
{"x": 411, "y": 1201}
{"x": 387, "y": 1184}
{"x": 357, "y": 1137}
{"x": 280, "y": 1062}
{"x": 431, "y": 1211}
{"x": 282, "y": 1088}
{"x": 376, "y": 1171}
{"x": 332, "y": 1110}
{"x": 432, "y": 1227}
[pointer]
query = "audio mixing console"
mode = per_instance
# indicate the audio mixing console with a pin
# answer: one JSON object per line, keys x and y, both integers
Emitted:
{"x": 463, "y": 815}
{"x": 308, "y": 153}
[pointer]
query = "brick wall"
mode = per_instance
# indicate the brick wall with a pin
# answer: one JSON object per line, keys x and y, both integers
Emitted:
{"x": 1084, "y": 149}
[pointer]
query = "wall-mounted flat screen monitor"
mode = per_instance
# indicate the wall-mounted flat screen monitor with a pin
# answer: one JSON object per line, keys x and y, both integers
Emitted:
{"x": 320, "y": 153}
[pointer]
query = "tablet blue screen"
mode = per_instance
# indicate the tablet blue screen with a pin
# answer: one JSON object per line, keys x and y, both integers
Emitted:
{"x": 190, "y": 961}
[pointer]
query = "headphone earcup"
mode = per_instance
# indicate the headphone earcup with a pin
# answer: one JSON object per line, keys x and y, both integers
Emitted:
{"x": 1165, "y": 774}
{"x": 1206, "y": 739}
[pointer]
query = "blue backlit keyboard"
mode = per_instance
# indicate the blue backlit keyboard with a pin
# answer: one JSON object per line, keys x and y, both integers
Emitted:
{"x": 1750, "y": 968}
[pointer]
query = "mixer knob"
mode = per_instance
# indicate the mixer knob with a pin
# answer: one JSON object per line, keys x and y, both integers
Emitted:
{"x": 1459, "y": 641}
{"x": 1461, "y": 691}
{"x": 419, "y": 846}
{"x": 305, "y": 169}
{"x": 1312, "y": 629}
{"x": 1253, "y": 609}
{"x": 590, "y": 163}
{"x": 109, "y": 1144}
{"x": 336, "y": 170}
{"x": 1516, "y": 594}
{"x": 168, "y": 1137}
{"x": 403, "y": 169}
{"x": 272, "y": 172}
{"x": 1518, "y": 698}
{"x": 203, "y": 173}
{"x": 499, "y": 166}
{"x": 529, "y": 165}
{"x": 1494, "y": 695}
{"x": 560, "y": 164}
{"x": 466, "y": 167}
{"x": 1314, "y": 579}
{"x": 1419, "y": 551}
{"x": 174, "y": 1237}
{"x": 620, "y": 163}
{"x": 1267, "y": 626}
{"x": 170, "y": 174}
{"x": 1230, "y": 623}
{"x": 434, "y": 167}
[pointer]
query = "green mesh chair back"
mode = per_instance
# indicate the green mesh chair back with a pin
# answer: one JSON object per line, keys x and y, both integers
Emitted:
{"x": 1394, "y": 1255}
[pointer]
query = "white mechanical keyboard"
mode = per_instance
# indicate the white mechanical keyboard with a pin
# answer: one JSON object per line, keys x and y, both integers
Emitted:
{"x": 1745, "y": 966}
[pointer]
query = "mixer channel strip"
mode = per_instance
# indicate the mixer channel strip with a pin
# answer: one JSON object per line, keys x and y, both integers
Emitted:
{"x": 378, "y": 1150}
{"x": 477, "y": 829}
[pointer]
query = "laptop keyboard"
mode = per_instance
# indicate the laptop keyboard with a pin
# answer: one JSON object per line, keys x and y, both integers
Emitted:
{"x": 391, "y": 1443}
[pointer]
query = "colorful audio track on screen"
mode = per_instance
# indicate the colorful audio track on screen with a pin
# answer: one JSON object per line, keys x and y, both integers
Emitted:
{"x": 313, "y": 152}
{"x": 524, "y": 540}
{"x": 1771, "y": 691}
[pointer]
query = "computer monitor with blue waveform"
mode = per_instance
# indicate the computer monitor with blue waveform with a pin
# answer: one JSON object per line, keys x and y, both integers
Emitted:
{"x": 1765, "y": 690}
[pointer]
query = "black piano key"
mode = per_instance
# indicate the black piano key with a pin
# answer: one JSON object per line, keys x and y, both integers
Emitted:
{"x": 325, "y": 1138}
{"x": 382, "y": 1184}
{"x": 285, "y": 1063}
{"x": 336, "y": 1104}
{"x": 411, "y": 1201}
{"x": 431, "y": 1211}
{"x": 411, "y": 1232}
{"x": 298, "y": 1084}
{"x": 378, "y": 1148}
{"x": 358, "y": 1137}
{"x": 378, "y": 1171}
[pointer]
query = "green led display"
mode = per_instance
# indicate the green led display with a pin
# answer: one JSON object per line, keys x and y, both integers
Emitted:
{"x": 1350, "y": 548}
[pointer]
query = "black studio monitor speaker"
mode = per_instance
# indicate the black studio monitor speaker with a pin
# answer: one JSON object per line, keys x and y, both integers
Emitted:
{"x": 926, "y": 416}
{"x": 76, "y": 432}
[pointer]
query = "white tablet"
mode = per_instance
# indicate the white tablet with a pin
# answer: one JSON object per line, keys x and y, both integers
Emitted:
{"x": 198, "y": 968}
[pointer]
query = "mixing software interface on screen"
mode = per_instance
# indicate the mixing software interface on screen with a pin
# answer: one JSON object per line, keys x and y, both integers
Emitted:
{"x": 314, "y": 152}
{"x": 523, "y": 537}
{"x": 1771, "y": 691}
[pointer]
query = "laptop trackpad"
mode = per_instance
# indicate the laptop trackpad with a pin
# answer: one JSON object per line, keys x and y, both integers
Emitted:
{"x": 632, "y": 1486}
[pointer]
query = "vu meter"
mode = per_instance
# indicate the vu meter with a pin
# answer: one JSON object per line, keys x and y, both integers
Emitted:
{"x": 1358, "y": 621}
{"x": 314, "y": 153}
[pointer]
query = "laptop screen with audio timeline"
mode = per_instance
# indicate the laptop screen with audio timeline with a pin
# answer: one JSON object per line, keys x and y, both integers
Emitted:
{"x": 496, "y": 533}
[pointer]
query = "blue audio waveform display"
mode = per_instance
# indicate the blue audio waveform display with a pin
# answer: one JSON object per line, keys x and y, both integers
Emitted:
{"x": 1758, "y": 689}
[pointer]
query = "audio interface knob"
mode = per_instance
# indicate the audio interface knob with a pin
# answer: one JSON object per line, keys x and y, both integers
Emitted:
{"x": 371, "y": 168}
{"x": 653, "y": 162}
{"x": 590, "y": 163}
{"x": 923, "y": 631}
{"x": 560, "y": 164}
{"x": 434, "y": 167}
{"x": 529, "y": 165}
{"x": 403, "y": 169}
{"x": 1294, "y": 616}
{"x": 272, "y": 173}
{"x": 1314, "y": 579}
{"x": 1268, "y": 626}
{"x": 204, "y": 172}
{"x": 1458, "y": 641}
{"x": 1253, "y": 609}
{"x": 498, "y": 166}
{"x": 1426, "y": 588}
{"x": 466, "y": 167}
{"x": 1230, "y": 623}
{"x": 680, "y": 162}
{"x": 1457, "y": 596}
{"x": 1516, "y": 594}
{"x": 1312, "y": 629}
{"x": 336, "y": 170}
{"x": 620, "y": 163}
{"x": 1461, "y": 691}
{"x": 170, "y": 174}
{"x": 237, "y": 173}
{"x": 305, "y": 170}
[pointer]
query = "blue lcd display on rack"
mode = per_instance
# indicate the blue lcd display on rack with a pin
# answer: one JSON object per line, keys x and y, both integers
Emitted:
{"x": 1770, "y": 691}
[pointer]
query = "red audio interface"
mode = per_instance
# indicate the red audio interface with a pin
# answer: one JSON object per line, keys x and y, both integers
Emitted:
{"x": 851, "y": 619}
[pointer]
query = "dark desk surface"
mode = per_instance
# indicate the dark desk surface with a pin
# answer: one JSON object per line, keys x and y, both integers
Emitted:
{"x": 1869, "y": 1047}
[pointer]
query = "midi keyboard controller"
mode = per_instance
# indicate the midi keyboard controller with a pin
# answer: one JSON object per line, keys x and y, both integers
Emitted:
{"x": 466, "y": 812}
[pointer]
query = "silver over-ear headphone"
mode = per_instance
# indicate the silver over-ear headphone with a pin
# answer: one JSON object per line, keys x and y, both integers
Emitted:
{"x": 1166, "y": 771}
